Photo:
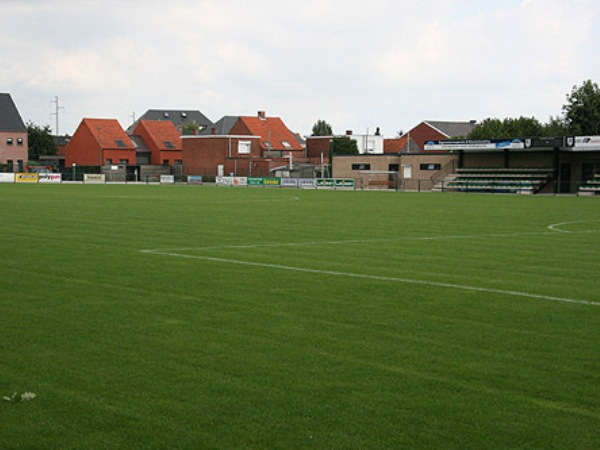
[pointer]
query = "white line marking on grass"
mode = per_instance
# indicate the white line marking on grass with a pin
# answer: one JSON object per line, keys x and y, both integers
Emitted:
{"x": 362, "y": 241}
{"x": 557, "y": 227}
{"x": 374, "y": 277}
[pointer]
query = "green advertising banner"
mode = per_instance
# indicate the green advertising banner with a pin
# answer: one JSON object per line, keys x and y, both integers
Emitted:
{"x": 347, "y": 183}
{"x": 335, "y": 183}
{"x": 271, "y": 181}
{"x": 255, "y": 181}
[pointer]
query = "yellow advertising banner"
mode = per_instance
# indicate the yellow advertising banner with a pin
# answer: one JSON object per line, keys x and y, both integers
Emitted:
{"x": 26, "y": 178}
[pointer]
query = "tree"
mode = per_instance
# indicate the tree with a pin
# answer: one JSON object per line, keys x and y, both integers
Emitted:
{"x": 41, "y": 142}
{"x": 321, "y": 128}
{"x": 344, "y": 146}
{"x": 190, "y": 128}
{"x": 556, "y": 126}
{"x": 582, "y": 110}
{"x": 508, "y": 128}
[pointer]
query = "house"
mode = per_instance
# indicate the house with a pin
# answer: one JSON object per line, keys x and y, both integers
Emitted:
{"x": 435, "y": 131}
{"x": 414, "y": 171}
{"x": 276, "y": 139}
{"x": 13, "y": 136}
{"x": 246, "y": 146}
{"x": 162, "y": 139}
{"x": 370, "y": 144}
{"x": 99, "y": 142}
{"x": 179, "y": 118}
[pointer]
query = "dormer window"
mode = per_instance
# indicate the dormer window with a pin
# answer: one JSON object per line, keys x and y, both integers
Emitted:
{"x": 286, "y": 145}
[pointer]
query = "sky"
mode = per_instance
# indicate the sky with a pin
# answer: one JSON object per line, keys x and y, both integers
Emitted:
{"x": 358, "y": 65}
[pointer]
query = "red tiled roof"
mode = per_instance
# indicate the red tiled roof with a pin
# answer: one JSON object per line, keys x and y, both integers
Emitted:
{"x": 272, "y": 130}
{"x": 394, "y": 145}
{"x": 109, "y": 133}
{"x": 161, "y": 132}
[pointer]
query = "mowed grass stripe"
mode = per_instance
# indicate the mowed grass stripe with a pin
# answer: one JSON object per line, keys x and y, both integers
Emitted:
{"x": 128, "y": 349}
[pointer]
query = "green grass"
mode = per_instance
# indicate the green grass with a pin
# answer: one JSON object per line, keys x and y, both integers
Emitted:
{"x": 367, "y": 336}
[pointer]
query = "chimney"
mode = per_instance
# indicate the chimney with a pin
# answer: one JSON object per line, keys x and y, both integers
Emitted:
{"x": 213, "y": 131}
{"x": 378, "y": 132}
{"x": 262, "y": 115}
{"x": 348, "y": 132}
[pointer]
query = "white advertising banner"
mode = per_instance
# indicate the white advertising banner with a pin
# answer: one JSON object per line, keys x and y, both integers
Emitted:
{"x": 492, "y": 144}
{"x": 307, "y": 183}
{"x": 589, "y": 143}
{"x": 94, "y": 178}
{"x": 289, "y": 182}
{"x": 224, "y": 181}
{"x": 7, "y": 177}
{"x": 240, "y": 181}
{"x": 167, "y": 179}
{"x": 50, "y": 178}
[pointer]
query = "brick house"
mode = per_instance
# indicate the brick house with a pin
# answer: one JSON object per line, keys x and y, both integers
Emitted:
{"x": 99, "y": 142}
{"x": 276, "y": 139}
{"x": 244, "y": 146}
{"x": 13, "y": 136}
{"x": 220, "y": 155}
{"x": 163, "y": 141}
{"x": 435, "y": 131}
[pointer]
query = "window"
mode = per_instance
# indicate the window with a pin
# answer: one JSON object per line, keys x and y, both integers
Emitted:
{"x": 123, "y": 162}
{"x": 109, "y": 162}
{"x": 168, "y": 144}
{"x": 165, "y": 162}
{"x": 10, "y": 165}
{"x": 430, "y": 166}
{"x": 361, "y": 166}
{"x": 9, "y": 141}
{"x": 244, "y": 147}
{"x": 286, "y": 145}
{"x": 19, "y": 141}
{"x": 120, "y": 143}
{"x": 178, "y": 162}
{"x": 370, "y": 146}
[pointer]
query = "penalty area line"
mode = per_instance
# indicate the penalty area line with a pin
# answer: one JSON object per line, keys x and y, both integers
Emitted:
{"x": 375, "y": 277}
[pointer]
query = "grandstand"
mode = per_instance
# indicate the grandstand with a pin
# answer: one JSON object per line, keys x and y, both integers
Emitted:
{"x": 498, "y": 180}
{"x": 591, "y": 187}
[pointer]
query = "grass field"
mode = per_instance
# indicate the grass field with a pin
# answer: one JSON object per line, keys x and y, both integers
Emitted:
{"x": 190, "y": 317}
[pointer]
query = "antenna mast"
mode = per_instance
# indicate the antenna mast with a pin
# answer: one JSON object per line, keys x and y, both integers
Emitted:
{"x": 57, "y": 108}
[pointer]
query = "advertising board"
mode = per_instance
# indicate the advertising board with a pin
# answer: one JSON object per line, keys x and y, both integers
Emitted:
{"x": 50, "y": 178}
{"x": 94, "y": 178}
{"x": 194, "y": 179}
{"x": 26, "y": 178}
{"x": 167, "y": 179}
{"x": 289, "y": 182}
{"x": 7, "y": 177}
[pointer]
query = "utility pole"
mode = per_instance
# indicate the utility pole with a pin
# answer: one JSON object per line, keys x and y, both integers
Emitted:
{"x": 57, "y": 108}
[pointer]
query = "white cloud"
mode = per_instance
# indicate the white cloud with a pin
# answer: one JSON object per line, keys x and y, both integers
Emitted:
{"x": 355, "y": 64}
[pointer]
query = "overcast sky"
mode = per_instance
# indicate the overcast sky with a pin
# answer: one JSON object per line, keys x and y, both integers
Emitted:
{"x": 356, "y": 64}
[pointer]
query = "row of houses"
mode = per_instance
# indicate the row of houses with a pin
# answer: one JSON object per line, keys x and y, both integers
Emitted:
{"x": 186, "y": 142}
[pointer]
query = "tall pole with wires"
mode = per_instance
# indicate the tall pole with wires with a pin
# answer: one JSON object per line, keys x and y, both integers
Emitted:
{"x": 57, "y": 108}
